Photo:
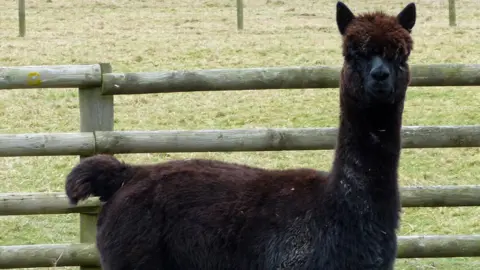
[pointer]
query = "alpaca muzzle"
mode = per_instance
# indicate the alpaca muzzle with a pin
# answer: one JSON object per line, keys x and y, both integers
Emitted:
{"x": 379, "y": 84}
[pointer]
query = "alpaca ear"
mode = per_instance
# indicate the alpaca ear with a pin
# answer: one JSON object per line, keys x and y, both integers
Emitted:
{"x": 344, "y": 17}
{"x": 407, "y": 17}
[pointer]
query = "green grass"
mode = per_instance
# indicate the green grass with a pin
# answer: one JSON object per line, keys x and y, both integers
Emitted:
{"x": 153, "y": 35}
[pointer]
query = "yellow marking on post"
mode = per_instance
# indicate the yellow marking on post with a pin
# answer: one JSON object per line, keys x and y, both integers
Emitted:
{"x": 33, "y": 78}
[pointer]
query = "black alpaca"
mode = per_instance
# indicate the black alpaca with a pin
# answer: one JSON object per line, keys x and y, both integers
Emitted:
{"x": 212, "y": 215}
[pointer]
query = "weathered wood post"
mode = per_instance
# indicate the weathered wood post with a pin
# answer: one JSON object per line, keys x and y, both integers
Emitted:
{"x": 21, "y": 17}
{"x": 96, "y": 114}
{"x": 239, "y": 14}
{"x": 452, "y": 17}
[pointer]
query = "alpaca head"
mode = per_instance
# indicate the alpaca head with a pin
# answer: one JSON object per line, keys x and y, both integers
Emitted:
{"x": 376, "y": 47}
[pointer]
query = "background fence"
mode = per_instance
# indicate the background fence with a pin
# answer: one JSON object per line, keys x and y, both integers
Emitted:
{"x": 97, "y": 85}
{"x": 452, "y": 17}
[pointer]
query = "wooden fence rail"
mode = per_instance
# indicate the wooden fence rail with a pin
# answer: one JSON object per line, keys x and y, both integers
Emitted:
{"x": 76, "y": 76}
{"x": 57, "y": 203}
{"x": 271, "y": 78}
{"x": 53, "y": 255}
{"x": 24, "y": 256}
{"x": 60, "y": 76}
{"x": 265, "y": 139}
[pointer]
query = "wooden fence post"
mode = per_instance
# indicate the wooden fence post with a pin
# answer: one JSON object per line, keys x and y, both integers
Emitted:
{"x": 452, "y": 17}
{"x": 21, "y": 17}
{"x": 96, "y": 114}
{"x": 239, "y": 14}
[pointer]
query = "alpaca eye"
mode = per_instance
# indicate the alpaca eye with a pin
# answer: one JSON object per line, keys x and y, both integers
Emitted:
{"x": 402, "y": 66}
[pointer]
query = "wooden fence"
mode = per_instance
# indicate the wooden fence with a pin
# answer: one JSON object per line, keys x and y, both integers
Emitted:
{"x": 452, "y": 17}
{"x": 22, "y": 24}
{"x": 452, "y": 14}
{"x": 97, "y": 85}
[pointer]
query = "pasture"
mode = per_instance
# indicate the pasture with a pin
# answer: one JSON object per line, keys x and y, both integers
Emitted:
{"x": 170, "y": 35}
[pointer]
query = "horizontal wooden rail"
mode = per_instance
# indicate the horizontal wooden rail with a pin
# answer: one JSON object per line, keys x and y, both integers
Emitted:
{"x": 271, "y": 78}
{"x": 52, "y": 255}
{"x": 57, "y": 203}
{"x": 25, "y": 256}
{"x": 440, "y": 196}
{"x": 438, "y": 246}
{"x": 43, "y": 204}
{"x": 62, "y": 76}
{"x": 75, "y": 76}
{"x": 267, "y": 139}
{"x": 47, "y": 144}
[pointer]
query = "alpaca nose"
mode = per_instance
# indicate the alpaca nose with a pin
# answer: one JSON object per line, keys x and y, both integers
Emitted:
{"x": 380, "y": 73}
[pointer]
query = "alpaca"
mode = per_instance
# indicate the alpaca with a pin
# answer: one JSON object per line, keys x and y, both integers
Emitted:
{"x": 212, "y": 215}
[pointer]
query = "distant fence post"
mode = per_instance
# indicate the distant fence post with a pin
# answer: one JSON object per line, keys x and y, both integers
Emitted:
{"x": 21, "y": 17}
{"x": 239, "y": 14}
{"x": 96, "y": 114}
{"x": 451, "y": 13}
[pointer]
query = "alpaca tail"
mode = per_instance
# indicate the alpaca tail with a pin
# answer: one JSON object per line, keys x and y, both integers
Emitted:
{"x": 100, "y": 175}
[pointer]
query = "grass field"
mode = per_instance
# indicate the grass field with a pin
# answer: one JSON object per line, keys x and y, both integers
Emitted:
{"x": 153, "y": 35}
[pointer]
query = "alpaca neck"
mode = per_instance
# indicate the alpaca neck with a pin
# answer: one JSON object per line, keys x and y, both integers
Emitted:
{"x": 368, "y": 150}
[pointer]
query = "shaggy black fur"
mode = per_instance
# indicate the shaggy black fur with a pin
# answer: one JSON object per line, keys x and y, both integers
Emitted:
{"x": 212, "y": 215}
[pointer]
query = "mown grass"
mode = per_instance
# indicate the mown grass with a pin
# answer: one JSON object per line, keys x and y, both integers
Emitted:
{"x": 153, "y": 35}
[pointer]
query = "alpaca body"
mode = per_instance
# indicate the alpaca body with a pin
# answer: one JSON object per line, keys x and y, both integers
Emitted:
{"x": 212, "y": 215}
{"x": 209, "y": 215}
